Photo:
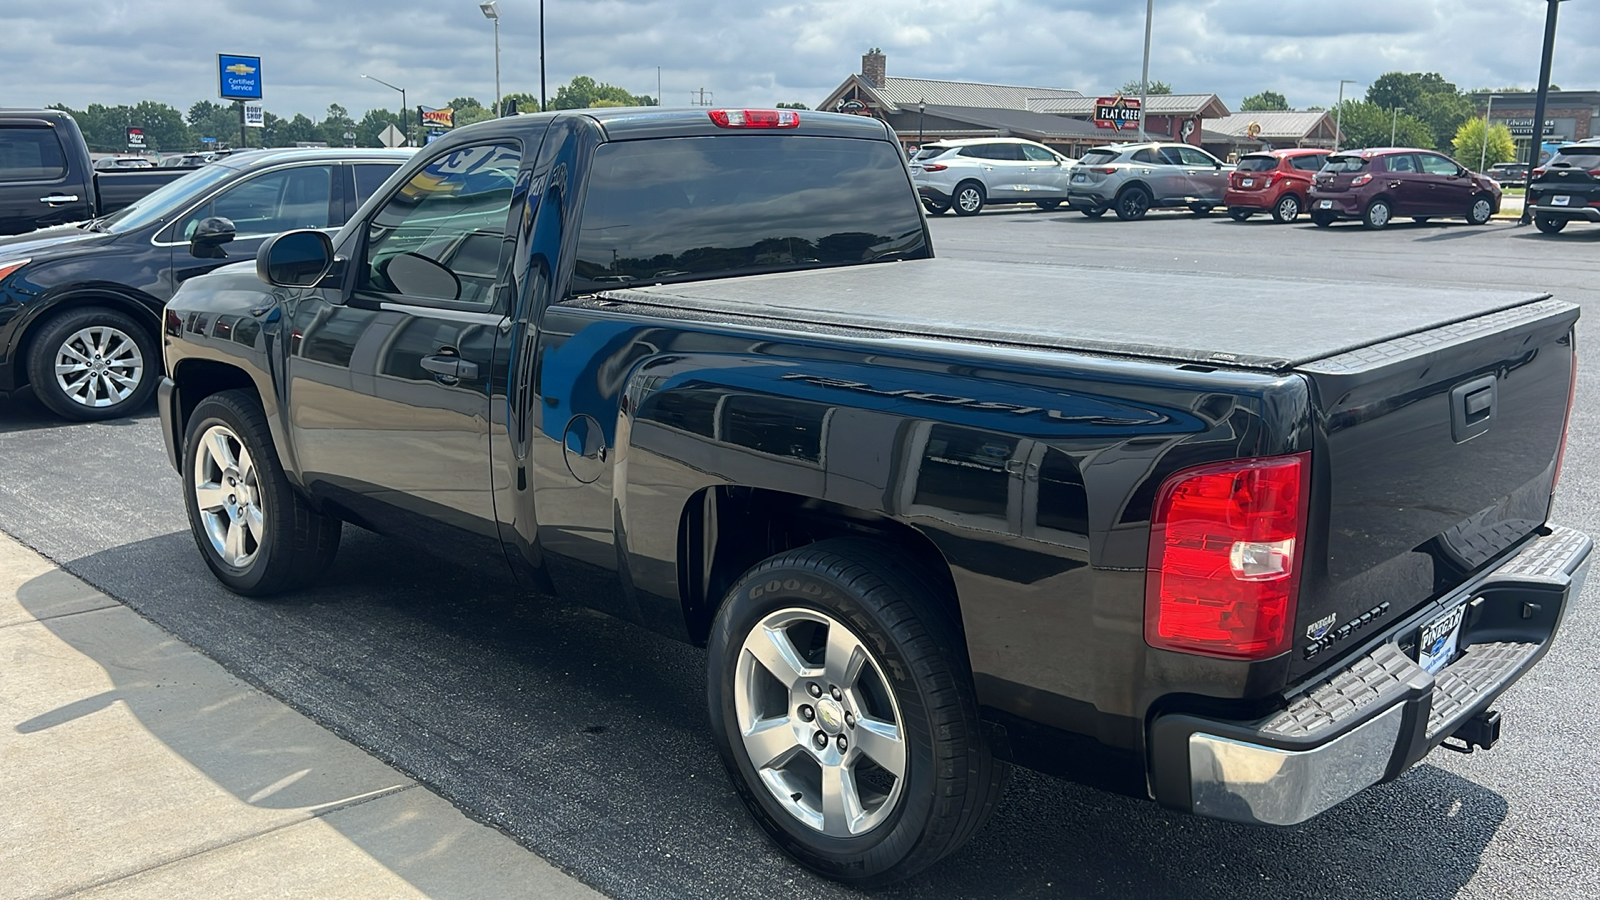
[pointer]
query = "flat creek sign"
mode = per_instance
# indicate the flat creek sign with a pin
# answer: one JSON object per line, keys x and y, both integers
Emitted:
{"x": 1119, "y": 112}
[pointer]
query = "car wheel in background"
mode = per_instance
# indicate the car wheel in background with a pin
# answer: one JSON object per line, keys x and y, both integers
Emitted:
{"x": 257, "y": 534}
{"x": 93, "y": 363}
{"x": 1239, "y": 215}
{"x": 1133, "y": 203}
{"x": 1048, "y": 205}
{"x": 1201, "y": 209}
{"x": 1481, "y": 211}
{"x": 1094, "y": 212}
{"x": 1549, "y": 224}
{"x": 1288, "y": 208}
{"x": 841, "y": 704}
{"x": 935, "y": 209}
{"x": 1378, "y": 215}
{"x": 968, "y": 198}
{"x": 1322, "y": 219}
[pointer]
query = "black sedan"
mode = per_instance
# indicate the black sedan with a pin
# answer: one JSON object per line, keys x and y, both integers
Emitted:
{"x": 80, "y": 305}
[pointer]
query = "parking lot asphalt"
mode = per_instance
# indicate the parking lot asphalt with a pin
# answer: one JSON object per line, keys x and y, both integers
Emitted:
{"x": 583, "y": 737}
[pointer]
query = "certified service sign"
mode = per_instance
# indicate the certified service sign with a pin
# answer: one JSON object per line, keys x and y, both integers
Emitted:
{"x": 239, "y": 77}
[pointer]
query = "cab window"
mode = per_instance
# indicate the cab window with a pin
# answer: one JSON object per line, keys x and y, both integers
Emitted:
{"x": 440, "y": 238}
{"x": 31, "y": 154}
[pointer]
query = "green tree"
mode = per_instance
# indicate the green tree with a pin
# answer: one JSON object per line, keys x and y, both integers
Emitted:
{"x": 1427, "y": 97}
{"x": 1368, "y": 125}
{"x": 295, "y": 131}
{"x": 215, "y": 120}
{"x": 1265, "y": 101}
{"x": 105, "y": 128}
{"x": 469, "y": 110}
{"x": 1131, "y": 88}
{"x": 372, "y": 125}
{"x": 1471, "y": 146}
{"x": 584, "y": 92}
{"x": 335, "y": 125}
{"x": 792, "y": 106}
{"x": 526, "y": 103}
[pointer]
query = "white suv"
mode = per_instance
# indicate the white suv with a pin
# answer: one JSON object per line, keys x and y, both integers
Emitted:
{"x": 967, "y": 174}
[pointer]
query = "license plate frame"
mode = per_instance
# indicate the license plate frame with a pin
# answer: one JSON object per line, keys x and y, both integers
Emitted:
{"x": 1325, "y": 204}
{"x": 1561, "y": 200}
{"x": 1438, "y": 639}
{"x": 1248, "y": 182}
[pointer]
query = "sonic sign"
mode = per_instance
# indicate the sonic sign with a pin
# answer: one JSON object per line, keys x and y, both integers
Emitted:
{"x": 1119, "y": 112}
{"x": 238, "y": 77}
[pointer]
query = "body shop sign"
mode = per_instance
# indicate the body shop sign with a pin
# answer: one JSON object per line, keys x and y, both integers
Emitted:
{"x": 1119, "y": 112}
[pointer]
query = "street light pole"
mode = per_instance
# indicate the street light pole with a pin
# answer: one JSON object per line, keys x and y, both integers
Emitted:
{"x": 1338, "y": 116}
{"x": 491, "y": 11}
{"x": 1144, "y": 76}
{"x": 1483, "y": 153}
{"x": 1536, "y": 140}
{"x": 542, "y": 105}
{"x": 922, "y": 107}
{"x": 1394, "y": 123}
{"x": 405, "y": 114}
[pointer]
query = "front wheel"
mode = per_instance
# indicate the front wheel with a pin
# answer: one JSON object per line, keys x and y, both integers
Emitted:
{"x": 255, "y": 532}
{"x": 1378, "y": 214}
{"x": 844, "y": 710}
{"x": 1287, "y": 210}
{"x": 1481, "y": 211}
{"x": 93, "y": 363}
{"x": 969, "y": 199}
{"x": 1549, "y": 224}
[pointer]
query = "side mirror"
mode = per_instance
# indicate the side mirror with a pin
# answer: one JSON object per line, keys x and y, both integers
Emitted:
{"x": 209, "y": 236}
{"x": 296, "y": 259}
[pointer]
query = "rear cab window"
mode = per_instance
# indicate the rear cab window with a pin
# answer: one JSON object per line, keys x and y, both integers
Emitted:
{"x": 31, "y": 153}
{"x": 691, "y": 208}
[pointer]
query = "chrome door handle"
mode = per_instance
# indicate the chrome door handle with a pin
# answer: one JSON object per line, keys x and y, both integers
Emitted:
{"x": 54, "y": 199}
{"x": 450, "y": 366}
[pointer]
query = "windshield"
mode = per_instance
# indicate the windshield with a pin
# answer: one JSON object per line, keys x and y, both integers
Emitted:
{"x": 1344, "y": 164}
{"x": 1258, "y": 164}
{"x": 1098, "y": 157}
{"x": 165, "y": 201}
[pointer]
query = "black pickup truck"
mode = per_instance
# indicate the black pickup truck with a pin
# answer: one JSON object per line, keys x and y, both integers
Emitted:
{"x": 46, "y": 177}
{"x": 929, "y": 517}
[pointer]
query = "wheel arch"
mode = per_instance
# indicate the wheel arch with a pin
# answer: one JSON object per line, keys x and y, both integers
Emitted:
{"x": 1130, "y": 185}
{"x": 141, "y": 307}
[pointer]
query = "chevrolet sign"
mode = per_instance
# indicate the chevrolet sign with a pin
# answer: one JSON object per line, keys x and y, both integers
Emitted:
{"x": 238, "y": 77}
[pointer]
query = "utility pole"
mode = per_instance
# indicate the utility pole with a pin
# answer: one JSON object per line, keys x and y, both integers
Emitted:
{"x": 1338, "y": 118}
{"x": 658, "y": 85}
{"x": 1536, "y": 140}
{"x": 542, "y": 105}
{"x": 1394, "y": 123}
{"x": 1144, "y": 76}
{"x": 1483, "y": 153}
{"x": 701, "y": 101}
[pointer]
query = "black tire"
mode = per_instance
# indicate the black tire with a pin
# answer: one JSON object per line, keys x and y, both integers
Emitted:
{"x": 1322, "y": 219}
{"x": 935, "y": 208}
{"x": 1201, "y": 209}
{"x": 1378, "y": 214}
{"x": 1239, "y": 215}
{"x": 130, "y": 358}
{"x": 1132, "y": 204}
{"x": 1287, "y": 208}
{"x": 295, "y": 544}
{"x": 950, "y": 782}
{"x": 968, "y": 198}
{"x": 1094, "y": 212}
{"x": 1048, "y": 205}
{"x": 1481, "y": 210}
{"x": 1549, "y": 224}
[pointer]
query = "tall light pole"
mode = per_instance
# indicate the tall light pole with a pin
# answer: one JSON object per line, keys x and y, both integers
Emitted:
{"x": 1144, "y": 75}
{"x": 1536, "y": 140}
{"x": 922, "y": 107}
{"x": 405, "y": 114}
{"x": 542, "y": 105}
{"x": 491, "y": 11}
{"x": 1483, "y": 153}
{"x": 1394, "y": 123}
{"x": 1338, "y": 117}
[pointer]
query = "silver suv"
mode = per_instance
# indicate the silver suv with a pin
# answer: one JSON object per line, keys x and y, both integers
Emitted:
{"x": 1136, "y": 178}
{"x": 967, "y": 174}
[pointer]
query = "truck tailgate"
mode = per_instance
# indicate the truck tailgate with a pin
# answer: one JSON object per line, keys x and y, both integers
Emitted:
{"x": 1434, "y": 454}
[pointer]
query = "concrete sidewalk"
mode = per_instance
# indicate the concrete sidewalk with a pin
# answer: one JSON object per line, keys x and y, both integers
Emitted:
{"x": 133, "y": 766}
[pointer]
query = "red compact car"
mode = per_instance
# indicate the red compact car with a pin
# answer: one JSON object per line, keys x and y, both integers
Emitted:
{"x": 1276, "y": 181}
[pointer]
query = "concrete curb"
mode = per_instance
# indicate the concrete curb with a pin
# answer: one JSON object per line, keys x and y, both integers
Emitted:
{"x": 137, "y": 767}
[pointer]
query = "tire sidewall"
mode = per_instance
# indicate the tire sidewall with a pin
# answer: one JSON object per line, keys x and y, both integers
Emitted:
{"x": 1367, "y": 217}
{"x": 211, "y": 412}
{"x": 1287, "y": 208}
{"x": 1131, "y": 212}
{"x": 1473, "y": 209}
{"x": 55, "y": 330}
{"x": 962, "y": 188}
{"x": 797, "y": 586}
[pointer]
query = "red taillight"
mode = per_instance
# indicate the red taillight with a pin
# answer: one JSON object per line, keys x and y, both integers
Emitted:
{"x": 1539, "y": 171}
{"x": 1105, "y": 170}
{"x": 755, "y": 118}
{"x": 1359, "y": 180}
{"x": 1224, "y": 566}
{"x": 1566, "y": 425}
{"x": 1595, "y": 172}
{"x": 934, "y": 167}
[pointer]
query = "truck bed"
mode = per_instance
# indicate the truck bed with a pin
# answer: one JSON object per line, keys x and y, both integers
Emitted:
{"x": 1239, "y": 321}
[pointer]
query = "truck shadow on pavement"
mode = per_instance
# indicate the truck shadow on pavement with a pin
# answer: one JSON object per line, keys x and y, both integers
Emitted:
{"x": 583, "y": 737}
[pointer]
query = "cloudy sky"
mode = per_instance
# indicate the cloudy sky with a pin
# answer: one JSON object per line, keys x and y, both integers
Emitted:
{"x": 751, "y": 52}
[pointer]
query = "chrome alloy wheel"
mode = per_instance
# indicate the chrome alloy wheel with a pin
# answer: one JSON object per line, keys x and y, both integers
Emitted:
{"x": 99, "y": 366}
{"x": 969, "y": 199}
{"x": 228, "y": 496}
{"x": 819, "y": 724}
{"x": 1482, "y": 211}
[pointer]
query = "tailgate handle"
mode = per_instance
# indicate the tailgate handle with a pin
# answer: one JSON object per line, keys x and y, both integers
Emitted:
{"x": 1472, "y": 407}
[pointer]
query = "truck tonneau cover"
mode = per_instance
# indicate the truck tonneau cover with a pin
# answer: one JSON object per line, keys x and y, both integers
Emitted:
{"x": 1271, "y": 324}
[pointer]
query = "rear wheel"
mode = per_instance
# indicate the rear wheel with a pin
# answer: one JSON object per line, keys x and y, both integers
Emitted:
{"x": 1549, "y": 224}
{"x": 1287, "y": 209}
{"x": 1239, "y": 215}
{"x": 1048, "y": 205}
{"x": 968, "y": 198}
{"x": 843, "y": 708}
{"x": 256, "y": 533}
{"x": 93, "y": 363}
{"x": 1481, "y": 211}
{"x": 935, "y": 208}
{"x": 1322, "y": 219}
{"x": 1132, "y": 204}
{"x": 1378, "y": 215}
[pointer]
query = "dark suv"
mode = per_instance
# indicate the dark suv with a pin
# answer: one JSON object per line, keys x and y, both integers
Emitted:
{"x": 1376, "y": 186}
{"x": 1567, "y": 187}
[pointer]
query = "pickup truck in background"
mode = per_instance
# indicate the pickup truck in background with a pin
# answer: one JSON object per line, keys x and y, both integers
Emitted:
{"x": 46, "y": 177}
{"x": 929, "y": 517}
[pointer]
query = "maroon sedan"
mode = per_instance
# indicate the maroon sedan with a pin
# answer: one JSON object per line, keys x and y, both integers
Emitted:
{"x": 1274, "y": 182}
{"x": 1378, "y": 185}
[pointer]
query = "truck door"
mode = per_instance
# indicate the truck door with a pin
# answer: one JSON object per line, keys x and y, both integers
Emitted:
{"x": 37, "y": 190}
{"x": 390, "y": 374}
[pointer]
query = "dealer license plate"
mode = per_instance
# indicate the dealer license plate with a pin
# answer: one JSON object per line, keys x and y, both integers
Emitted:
{"x": 1436, "y": 644}
{"x": 1326, "y": 204}
{"x": 1248, "y": 182}
{"x": 1562, "y": 200}
{"x": 1079, "y": 179}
